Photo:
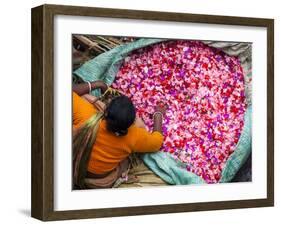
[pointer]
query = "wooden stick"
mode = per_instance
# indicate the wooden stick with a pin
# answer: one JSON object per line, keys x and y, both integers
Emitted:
{"x": 89, "y": 43}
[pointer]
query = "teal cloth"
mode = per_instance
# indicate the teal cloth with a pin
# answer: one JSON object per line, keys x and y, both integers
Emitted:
{"x": 105, "y": 67}
{"x": 242, "y": 150}
{"x": 170, "y": 170}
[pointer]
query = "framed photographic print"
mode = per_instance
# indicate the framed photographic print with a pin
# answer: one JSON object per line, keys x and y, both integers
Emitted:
{"x": 141, "y": 112}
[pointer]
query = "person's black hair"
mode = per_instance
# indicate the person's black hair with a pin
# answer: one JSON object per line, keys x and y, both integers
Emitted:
{"x": 120, "y": 114}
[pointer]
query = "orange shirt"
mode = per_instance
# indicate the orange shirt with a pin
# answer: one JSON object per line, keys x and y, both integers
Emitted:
{"x": 110, "y": 149}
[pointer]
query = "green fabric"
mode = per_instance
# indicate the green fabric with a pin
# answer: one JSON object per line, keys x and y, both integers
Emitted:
{"x": 242, "y": 150}
{"x": 83, "y": 142}
{"x": 105, "y": 67}
{"x": 170, "y": 170}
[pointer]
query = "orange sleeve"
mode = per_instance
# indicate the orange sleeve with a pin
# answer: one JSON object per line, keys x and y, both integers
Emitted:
{"x": 148, "y": 142}
{"x": 82, "y": 110}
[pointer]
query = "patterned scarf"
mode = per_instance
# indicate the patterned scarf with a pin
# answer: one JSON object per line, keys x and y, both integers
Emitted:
{"x": 84, "y": 139}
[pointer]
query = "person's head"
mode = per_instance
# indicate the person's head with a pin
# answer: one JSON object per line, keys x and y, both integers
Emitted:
{"x": 120, "y": 114}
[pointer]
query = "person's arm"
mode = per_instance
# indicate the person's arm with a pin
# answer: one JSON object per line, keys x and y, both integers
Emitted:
{"x": 84, "y": 88}
{"x": 147, "y": 141}
{"x": 99, "y": 105}
{"x": 151, "y": 142}
{"x": 158, "y": 118}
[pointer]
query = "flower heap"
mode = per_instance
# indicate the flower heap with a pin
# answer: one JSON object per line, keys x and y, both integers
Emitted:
{"x": 204, "y": 90}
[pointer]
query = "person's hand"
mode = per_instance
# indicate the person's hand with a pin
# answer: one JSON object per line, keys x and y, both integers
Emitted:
{"x": 90, "y": 98}
{"x": 95, "y": 101}
{"x": 161, "y": 107}
{"x": 100, "y": 84}
{"x": 158, "y": 117}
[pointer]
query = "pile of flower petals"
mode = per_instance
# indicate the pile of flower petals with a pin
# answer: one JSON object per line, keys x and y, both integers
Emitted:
{"x": 204, "y": 90}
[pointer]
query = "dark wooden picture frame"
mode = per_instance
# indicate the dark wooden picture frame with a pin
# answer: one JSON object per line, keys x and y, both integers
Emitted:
{"x": 42, "y": 203}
